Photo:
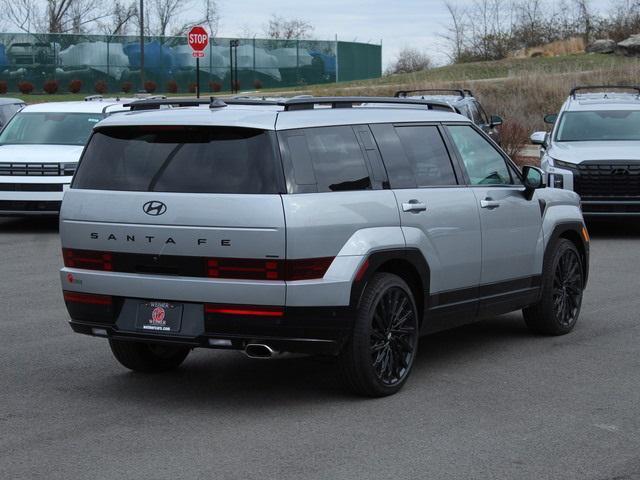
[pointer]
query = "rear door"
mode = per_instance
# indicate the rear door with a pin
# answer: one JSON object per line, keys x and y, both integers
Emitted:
{"x": 177, "y": 197}
{"x": 438, "y": 215}
{"x": 511, "y": 221}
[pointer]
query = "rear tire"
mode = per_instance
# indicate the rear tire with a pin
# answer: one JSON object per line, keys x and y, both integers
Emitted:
{"x": 562, "y": 285}
{"x": 146, "y": 357}
{"x": 377, "y": 360}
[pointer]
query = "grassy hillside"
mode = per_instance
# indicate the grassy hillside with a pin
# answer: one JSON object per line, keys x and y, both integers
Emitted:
{"x": 521, "y": 90}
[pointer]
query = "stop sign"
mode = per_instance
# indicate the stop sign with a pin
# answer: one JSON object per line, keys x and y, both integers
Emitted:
{"x": 198, "y": 38}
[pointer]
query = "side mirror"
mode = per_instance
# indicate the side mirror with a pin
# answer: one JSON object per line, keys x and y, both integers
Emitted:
{"x": 550, "y": 118}
{"x": 533, "y": 178}
{"x": 539, "y": 138}
{"x": 495, "y": 120}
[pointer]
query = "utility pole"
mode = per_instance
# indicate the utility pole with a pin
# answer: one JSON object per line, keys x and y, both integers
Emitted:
{"x": 141, "y": 16}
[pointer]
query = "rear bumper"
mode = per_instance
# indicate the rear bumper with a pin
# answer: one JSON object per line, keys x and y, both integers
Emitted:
{"x": 310, "y": 330}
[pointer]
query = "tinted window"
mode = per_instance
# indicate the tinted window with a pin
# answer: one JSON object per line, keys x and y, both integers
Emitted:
{"x": 427, "y": 155}
{"x": 337, "y": 159}
{"x": 49, "y": 128}
{"x": 179, "y": 159}
{"x": 483, "y": 162}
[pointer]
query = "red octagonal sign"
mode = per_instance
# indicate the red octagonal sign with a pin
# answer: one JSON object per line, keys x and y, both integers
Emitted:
{"x": 198, "y": 38}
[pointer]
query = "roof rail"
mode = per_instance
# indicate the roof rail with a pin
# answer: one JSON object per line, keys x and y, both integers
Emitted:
{"x": 468, "y": 92}
{"x": 574, "y": 90}
{"x": 458, "y": 91}
{"x": 348, "y": 102}
{"x": 91, "y": 98}
{"x": 290, "y": 104}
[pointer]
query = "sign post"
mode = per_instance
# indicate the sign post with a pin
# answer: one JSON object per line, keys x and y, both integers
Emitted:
{"x": 198, "y": 39}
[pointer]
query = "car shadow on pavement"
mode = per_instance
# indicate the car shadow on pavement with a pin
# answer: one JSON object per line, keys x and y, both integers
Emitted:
{"x": 211, "y": 379}
{"x": 613, "y": 229}
{"x": 47, "y": 224}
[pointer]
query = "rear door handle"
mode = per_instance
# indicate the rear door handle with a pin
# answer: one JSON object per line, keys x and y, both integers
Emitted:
{"x": 414, "y": 206}
{"x": 489, "y": 203}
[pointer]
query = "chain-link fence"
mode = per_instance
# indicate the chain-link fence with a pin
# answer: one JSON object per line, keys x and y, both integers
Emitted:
{"x": 94, "y": 63}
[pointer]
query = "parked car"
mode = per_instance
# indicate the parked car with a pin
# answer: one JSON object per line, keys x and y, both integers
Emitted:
{"x": 39, "y": 152}
{"x": 465, "y": 103}
{"x": 275, "y": 226}
{"x": 594, "y": 149}
{"x": 8, "y": 108}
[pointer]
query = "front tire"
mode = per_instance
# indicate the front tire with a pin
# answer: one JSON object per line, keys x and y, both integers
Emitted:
{"x": 562, "y": 285}
{"x": 147, "y": 357}
{"x": 378, "y": 358}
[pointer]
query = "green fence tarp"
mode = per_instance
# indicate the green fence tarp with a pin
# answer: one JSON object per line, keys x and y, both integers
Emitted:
{"x": 112, "y": 63}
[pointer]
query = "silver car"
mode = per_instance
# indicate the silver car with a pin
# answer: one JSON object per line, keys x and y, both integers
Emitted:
{"x": 594, "y": 149}
{"x": 277, "y": 226}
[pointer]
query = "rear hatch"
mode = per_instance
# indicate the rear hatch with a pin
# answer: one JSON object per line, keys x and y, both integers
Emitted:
{"x": 179, "y": 201}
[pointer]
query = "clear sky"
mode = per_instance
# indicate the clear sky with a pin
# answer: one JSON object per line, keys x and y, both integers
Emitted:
{"x": 396, "y": 23}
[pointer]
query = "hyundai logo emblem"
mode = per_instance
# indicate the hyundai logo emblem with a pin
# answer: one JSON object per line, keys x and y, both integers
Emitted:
{"x": 154, "y": 208}
{"x": 620, "y": 171}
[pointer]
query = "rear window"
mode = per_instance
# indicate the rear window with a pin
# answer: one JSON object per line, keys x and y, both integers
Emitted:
{"x": 179, "y": 159}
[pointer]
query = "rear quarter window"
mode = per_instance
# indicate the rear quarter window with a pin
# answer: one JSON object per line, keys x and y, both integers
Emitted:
{"x": 180, "y": 159}
{"x": 325, "y": 159}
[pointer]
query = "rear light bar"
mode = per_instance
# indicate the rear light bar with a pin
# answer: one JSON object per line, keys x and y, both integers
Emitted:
{"x": 244, "y": 310}
{"x": 232, "y": 268}
{"x": 87, "y": 259}
{"x": 250, "y": 269}
{"x": 87, "y": 298}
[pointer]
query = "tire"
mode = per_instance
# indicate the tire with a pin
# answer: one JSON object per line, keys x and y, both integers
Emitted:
{"x": 562, "y": 286}
{"x": 148, "y": 358}
{"x": 377, "y": 360}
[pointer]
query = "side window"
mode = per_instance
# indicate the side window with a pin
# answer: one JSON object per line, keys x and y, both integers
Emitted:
{"x": 337, "y": 159}
{"x": 483, "y": 163}
{"x": 475, "y": 114}
{"x": 427, "y": 154}
{"x": 483, "y": 115}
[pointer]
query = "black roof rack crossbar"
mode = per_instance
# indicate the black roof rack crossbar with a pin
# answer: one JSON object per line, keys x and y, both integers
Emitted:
{"x": 347, "y": 102}
{"x": 574, "y": 90}
{"x": 458, "y": 91}
{"x": 156, "y": 103}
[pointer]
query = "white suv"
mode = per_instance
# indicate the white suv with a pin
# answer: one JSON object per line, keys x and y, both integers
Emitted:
{"x": 594, "y": 149}
{"x": 39, "y": 151}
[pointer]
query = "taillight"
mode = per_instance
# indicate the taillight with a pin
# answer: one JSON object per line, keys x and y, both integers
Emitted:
{"x": 244, "y": 310}
{"x": 308, "y": 268}
{"x": 87, "y": 259}
{"x": 87, "y": 298}
{"x": 251, "y": 269}
{"x": 246, "y": 269}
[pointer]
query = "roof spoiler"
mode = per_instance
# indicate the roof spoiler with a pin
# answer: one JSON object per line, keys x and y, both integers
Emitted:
{"x": 574, "y": 90}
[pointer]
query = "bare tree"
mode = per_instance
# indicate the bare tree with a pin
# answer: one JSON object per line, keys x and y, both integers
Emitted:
{"x": 585, "y": 17}
{"x": 122, "y": 15}
{"x": 57, "y": 16}
{"x": 456, "y": 31}
{"x": 410, "y": 60}
{"x": 281, "y": 28}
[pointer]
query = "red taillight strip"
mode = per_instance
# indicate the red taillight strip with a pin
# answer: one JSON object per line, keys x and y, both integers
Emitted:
{"x": 250, "y": 310}
{"x": 87, "y": 259}
{"x": 87, "y": 298}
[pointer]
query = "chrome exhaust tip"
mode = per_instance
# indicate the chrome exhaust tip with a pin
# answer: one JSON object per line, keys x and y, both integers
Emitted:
{"x": 258, "y": 350}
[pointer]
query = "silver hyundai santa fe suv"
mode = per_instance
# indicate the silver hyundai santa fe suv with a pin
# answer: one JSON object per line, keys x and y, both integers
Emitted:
{"x": 594, "y": 149}
{"x": 330, "y": 226}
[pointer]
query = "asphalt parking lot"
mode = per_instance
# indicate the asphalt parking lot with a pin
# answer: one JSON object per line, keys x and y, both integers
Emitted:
{"x": 488, "y": 400}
